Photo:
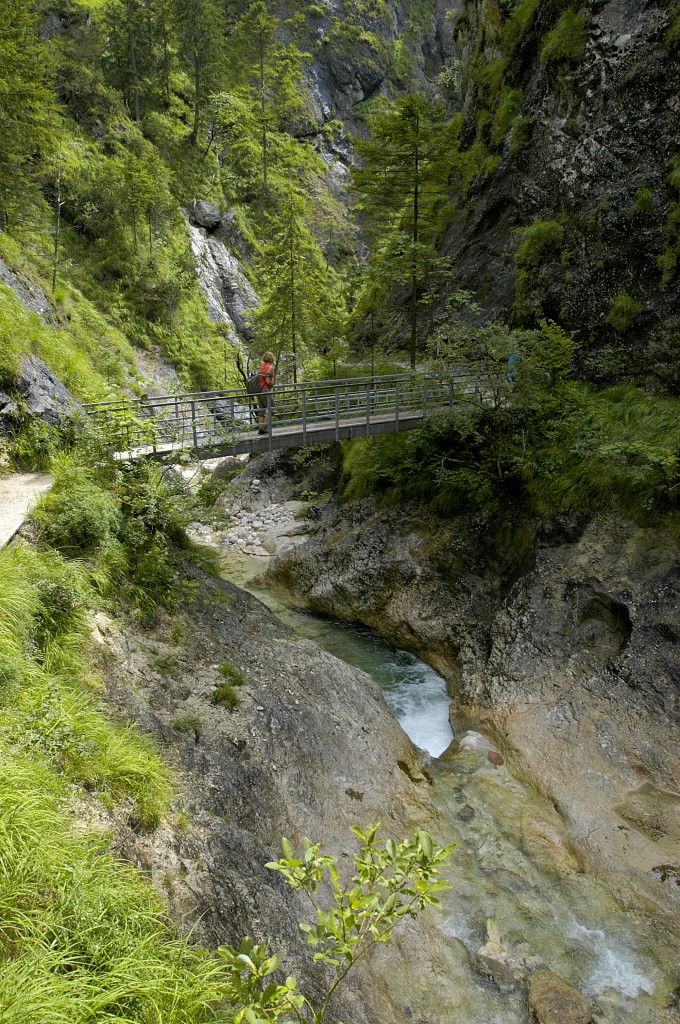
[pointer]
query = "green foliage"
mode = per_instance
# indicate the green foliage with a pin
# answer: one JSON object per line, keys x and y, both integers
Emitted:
{"x": 618, "y": 448}
{"x": 540, "y": 244}
{"x": 302, "y": 306}
{"x": 192, "y": 725}
{"x": 225, "y": 693}
{"x": 565, "y": 43}
{"x": 644, "y": 200}
{"x": 668, "y": 260}
{"x": 77, "y": 517}
{"x": 518, "y": 25}
{"x": 539, "y": 241}
{"x": 391, "y": 881}
{"x": 673, "y": 34}
{"x": 623, "y": 312}
{"x": 508, "y": 109}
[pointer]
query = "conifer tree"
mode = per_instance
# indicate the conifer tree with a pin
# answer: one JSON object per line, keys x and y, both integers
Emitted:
{"x": 269, "y": 72}
{"x": 200, "y": 28}
{"x": 400, "y": 175}
{"x": 301, "y": 307}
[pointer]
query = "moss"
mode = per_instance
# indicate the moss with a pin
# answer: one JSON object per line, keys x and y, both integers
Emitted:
{"x": 519, "y": 137}
{"x": 566, "y": 43}
{"x": 644, "y": 200}
{"x": 540, "y": 241}
{"x": 622, "y": 313}
{"x": 509, "y": 106}
{"x": 518, "y": 25}
{"x": 672, "y": 39}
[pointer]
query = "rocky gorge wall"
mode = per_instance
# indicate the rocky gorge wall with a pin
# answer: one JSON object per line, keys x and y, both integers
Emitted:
{"x": 310, "y": 749}
{"x": 589, "y": 148}
{"x": 558, "y": 639}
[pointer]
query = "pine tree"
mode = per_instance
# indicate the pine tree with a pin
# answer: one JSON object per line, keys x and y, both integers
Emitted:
{"x": 301, "y": 307}
{"x": 269, "y": 73}
{"x": 400, "y": 176}
{"x": 200, "y": 28}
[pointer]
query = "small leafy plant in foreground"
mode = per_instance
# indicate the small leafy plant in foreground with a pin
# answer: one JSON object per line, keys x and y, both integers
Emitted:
{"x": 391, "y": 881}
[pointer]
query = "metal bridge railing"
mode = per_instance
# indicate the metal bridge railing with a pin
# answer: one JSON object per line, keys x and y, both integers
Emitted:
{"x": 206, "y": 418}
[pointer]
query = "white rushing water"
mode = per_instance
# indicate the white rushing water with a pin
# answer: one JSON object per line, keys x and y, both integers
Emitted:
{"x": 568, "y": 924}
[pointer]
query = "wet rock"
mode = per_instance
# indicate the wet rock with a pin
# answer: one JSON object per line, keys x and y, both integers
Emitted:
{"x": 547, "y": 844}
{"x": 552, "y": 1001}
{"x": 206, "y": 215}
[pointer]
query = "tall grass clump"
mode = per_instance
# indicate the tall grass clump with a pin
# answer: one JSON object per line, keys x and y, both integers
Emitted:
{"x": 619, "y": 449}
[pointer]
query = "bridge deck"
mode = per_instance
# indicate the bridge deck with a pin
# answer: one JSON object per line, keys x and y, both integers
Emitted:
{"x": 293, "y": 436}
{"x": 314, "y": 412}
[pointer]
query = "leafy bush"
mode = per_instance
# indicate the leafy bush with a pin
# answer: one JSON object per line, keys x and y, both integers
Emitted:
{"x": 78, "y": 519}
{"x": 623, "y": 311}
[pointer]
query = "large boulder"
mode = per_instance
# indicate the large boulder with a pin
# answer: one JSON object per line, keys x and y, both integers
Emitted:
{"x": 38, "y": 394}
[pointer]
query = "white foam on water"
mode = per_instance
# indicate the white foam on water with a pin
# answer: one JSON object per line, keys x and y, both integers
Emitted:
{"x": 615, "y": 966}
{"x": 419, "y": 702}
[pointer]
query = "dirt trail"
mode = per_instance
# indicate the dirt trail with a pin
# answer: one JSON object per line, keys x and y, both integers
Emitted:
{"x": 18, "y": 495}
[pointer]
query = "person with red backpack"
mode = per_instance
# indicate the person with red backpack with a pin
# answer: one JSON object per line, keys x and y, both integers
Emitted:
{"x": 266, "y": 383}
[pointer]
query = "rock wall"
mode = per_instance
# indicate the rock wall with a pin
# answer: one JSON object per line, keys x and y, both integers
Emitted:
{"x": 558, "y": 639}
{"x": 310, "y": 749}
{"x": 598, "y": 131}
{"x": 219, "y": 251}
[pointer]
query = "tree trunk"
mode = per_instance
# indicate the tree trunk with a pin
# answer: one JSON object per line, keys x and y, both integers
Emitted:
{"x": 197, "y": 98}
{"x": 414, "y": 280}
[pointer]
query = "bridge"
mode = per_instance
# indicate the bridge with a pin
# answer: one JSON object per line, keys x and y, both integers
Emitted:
{"x": 313, "y": 412}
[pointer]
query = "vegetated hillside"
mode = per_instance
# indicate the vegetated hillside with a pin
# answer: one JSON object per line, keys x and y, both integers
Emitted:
{"x": 576, "y": 215}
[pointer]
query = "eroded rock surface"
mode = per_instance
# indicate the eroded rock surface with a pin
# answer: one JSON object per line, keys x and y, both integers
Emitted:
{"x": 558, "y": 640}
{"x": 310, "y": 749}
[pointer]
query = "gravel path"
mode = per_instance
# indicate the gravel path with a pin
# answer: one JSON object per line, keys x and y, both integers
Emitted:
{"x": 18, "y": 495}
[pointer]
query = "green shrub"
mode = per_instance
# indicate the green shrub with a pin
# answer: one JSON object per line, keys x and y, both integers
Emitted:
{"x": 521, "y": 131}
{"x": 35, "y": 444}
{"x": 623, "y": 311}
{"x": 78, "y": 519}
{"x": 566, "y": 43}
{"x": 539, "y": 242}
{"x": 644, "y": 199}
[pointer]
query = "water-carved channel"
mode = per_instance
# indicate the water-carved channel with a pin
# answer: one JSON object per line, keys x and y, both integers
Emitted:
{"x": 518, "y": 902}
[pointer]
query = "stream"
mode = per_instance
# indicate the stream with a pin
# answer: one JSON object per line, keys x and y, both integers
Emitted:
{"x": 535, "y": 911}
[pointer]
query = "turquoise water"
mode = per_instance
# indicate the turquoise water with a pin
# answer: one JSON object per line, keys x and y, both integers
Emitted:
{"x": 570, "y": 923}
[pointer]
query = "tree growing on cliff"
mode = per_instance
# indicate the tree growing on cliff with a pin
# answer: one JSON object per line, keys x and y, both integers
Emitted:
{"x": 391, "y": 881}
{"x": 399, "y": 179}
{"x": 301, "y": 307}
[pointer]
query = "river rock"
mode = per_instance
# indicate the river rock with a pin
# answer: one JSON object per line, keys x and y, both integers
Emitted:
{"x": 547, "y": 844}
{"x": 310, "y": 749}
{"x": 552, "y": 1001}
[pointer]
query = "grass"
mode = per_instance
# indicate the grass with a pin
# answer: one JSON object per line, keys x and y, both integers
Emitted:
{"x": 83, "y": 936}
{"x": 623, "y": 312}
{"x": 225, "y": 693}
{"x": 565, "y": 43}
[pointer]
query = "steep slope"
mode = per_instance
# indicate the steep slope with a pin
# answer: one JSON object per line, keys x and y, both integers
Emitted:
{"x": 575, "y": 221}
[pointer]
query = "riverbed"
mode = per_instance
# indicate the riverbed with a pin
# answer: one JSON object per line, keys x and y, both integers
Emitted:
{"x": 519, "y": 900}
